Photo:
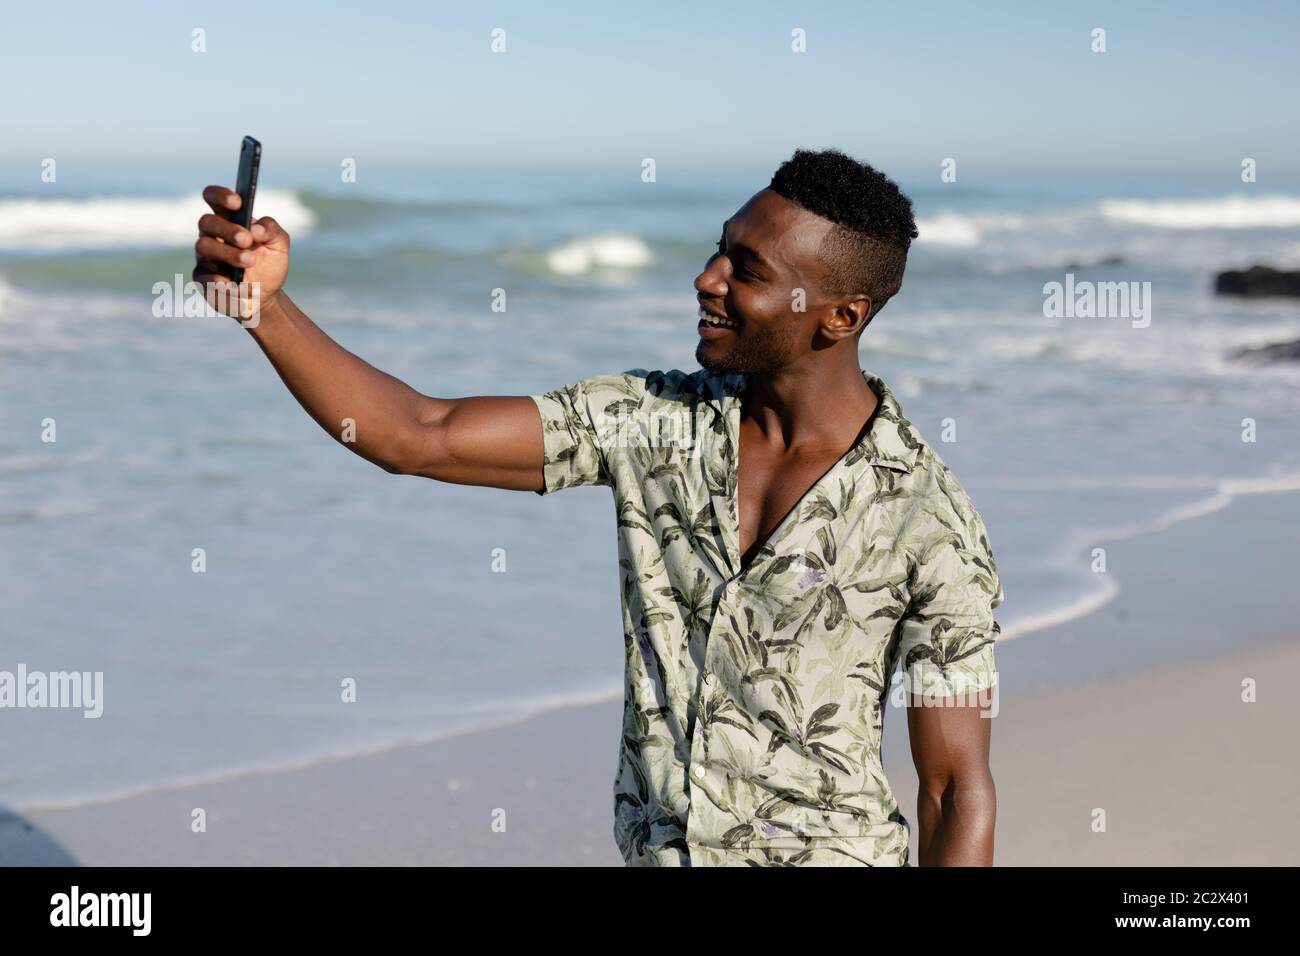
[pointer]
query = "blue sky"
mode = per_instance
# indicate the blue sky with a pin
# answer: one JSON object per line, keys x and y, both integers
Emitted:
{"x": 1005, "y": 88}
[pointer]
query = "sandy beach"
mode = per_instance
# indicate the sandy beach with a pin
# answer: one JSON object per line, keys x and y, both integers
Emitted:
{"x": 1140, "y": 715}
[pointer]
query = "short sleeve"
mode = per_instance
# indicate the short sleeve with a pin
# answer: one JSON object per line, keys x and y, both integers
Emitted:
{"x": 946, "y": 636}
{"x": 581, "y": 426}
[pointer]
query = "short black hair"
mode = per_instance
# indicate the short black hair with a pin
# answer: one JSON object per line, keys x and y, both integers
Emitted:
{"x": 866, "y": 252}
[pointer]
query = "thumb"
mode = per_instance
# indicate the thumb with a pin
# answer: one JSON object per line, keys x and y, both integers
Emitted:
{"x": 269, "y": 233}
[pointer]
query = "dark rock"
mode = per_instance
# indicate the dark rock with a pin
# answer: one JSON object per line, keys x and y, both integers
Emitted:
{"x": 1099, "y": 264}
{"x": 1277, "y": 352}
{"x": 1258, "y": 281}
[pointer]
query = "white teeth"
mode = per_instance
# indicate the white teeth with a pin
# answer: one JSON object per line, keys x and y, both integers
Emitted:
{"x": 715, "y": 322}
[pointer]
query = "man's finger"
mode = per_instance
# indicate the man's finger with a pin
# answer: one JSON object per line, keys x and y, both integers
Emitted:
{"x": 218, "y": 290}
{"x": 221, "y": 199}
{"x": 210, "y": 224}
{"x": 235, "y": 299}
{"x": 268, "y": 230}
{"x": 209, "y": 248}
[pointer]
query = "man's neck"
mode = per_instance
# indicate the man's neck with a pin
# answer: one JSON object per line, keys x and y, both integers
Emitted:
{"x": 811, "y": 407}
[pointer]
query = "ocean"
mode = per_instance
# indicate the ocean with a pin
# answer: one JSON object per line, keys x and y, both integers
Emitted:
{"x": 174, "y": 434}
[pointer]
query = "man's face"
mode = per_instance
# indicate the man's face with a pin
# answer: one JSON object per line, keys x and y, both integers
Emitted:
{"x": 768, "y": 252}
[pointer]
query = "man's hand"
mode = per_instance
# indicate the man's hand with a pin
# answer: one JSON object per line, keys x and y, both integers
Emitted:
{"x": 494, "y": 441}
{"x": 262, "y": 251}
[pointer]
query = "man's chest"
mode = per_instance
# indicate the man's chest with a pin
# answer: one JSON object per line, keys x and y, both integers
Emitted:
{"x": 770, "y": 486}
{"x": 723, "y": 504}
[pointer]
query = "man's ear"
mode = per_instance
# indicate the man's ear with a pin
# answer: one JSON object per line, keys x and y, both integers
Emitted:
{"x": 849, "y": 317}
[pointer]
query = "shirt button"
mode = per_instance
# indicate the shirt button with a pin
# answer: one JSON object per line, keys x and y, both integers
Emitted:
{"x": 699, "y": 772}
{"x": 708, "y": 680}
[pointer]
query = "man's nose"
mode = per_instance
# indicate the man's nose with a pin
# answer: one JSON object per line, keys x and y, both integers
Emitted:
{"x": 712, "y": 282}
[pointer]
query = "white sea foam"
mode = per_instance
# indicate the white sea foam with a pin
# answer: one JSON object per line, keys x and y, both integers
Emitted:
{"x": 73, "y": 224}
{"x": 1226, "y": 212}
{"x": 948, "y": 229}
{"x": 580, "y": 256}
{"x": 1222, "y": 493}
{"x": 1083, "y": 605}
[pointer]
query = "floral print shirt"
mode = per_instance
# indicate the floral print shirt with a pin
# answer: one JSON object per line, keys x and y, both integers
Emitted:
{"x": 755, "y": 696}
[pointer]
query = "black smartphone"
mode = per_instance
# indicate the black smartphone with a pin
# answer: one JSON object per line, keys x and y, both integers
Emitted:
{"x": 250, "y": 158}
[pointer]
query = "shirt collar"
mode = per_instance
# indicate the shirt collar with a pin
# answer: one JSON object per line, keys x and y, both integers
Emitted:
{"x": 892, "y": 441}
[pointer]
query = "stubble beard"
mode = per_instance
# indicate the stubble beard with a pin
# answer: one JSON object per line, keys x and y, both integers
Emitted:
{"x": 764, "y": 352}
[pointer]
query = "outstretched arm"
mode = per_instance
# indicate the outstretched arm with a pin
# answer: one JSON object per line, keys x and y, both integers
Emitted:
{"x": 490, "y": 440}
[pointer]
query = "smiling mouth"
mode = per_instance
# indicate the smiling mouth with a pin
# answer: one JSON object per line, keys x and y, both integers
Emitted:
{"x": 710, "y": 321}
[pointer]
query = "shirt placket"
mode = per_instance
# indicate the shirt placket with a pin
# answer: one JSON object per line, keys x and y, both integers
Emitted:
{"x": 699, "y": 773}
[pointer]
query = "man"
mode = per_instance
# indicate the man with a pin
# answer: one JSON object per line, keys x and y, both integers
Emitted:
{"x": 785, "y": 535}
